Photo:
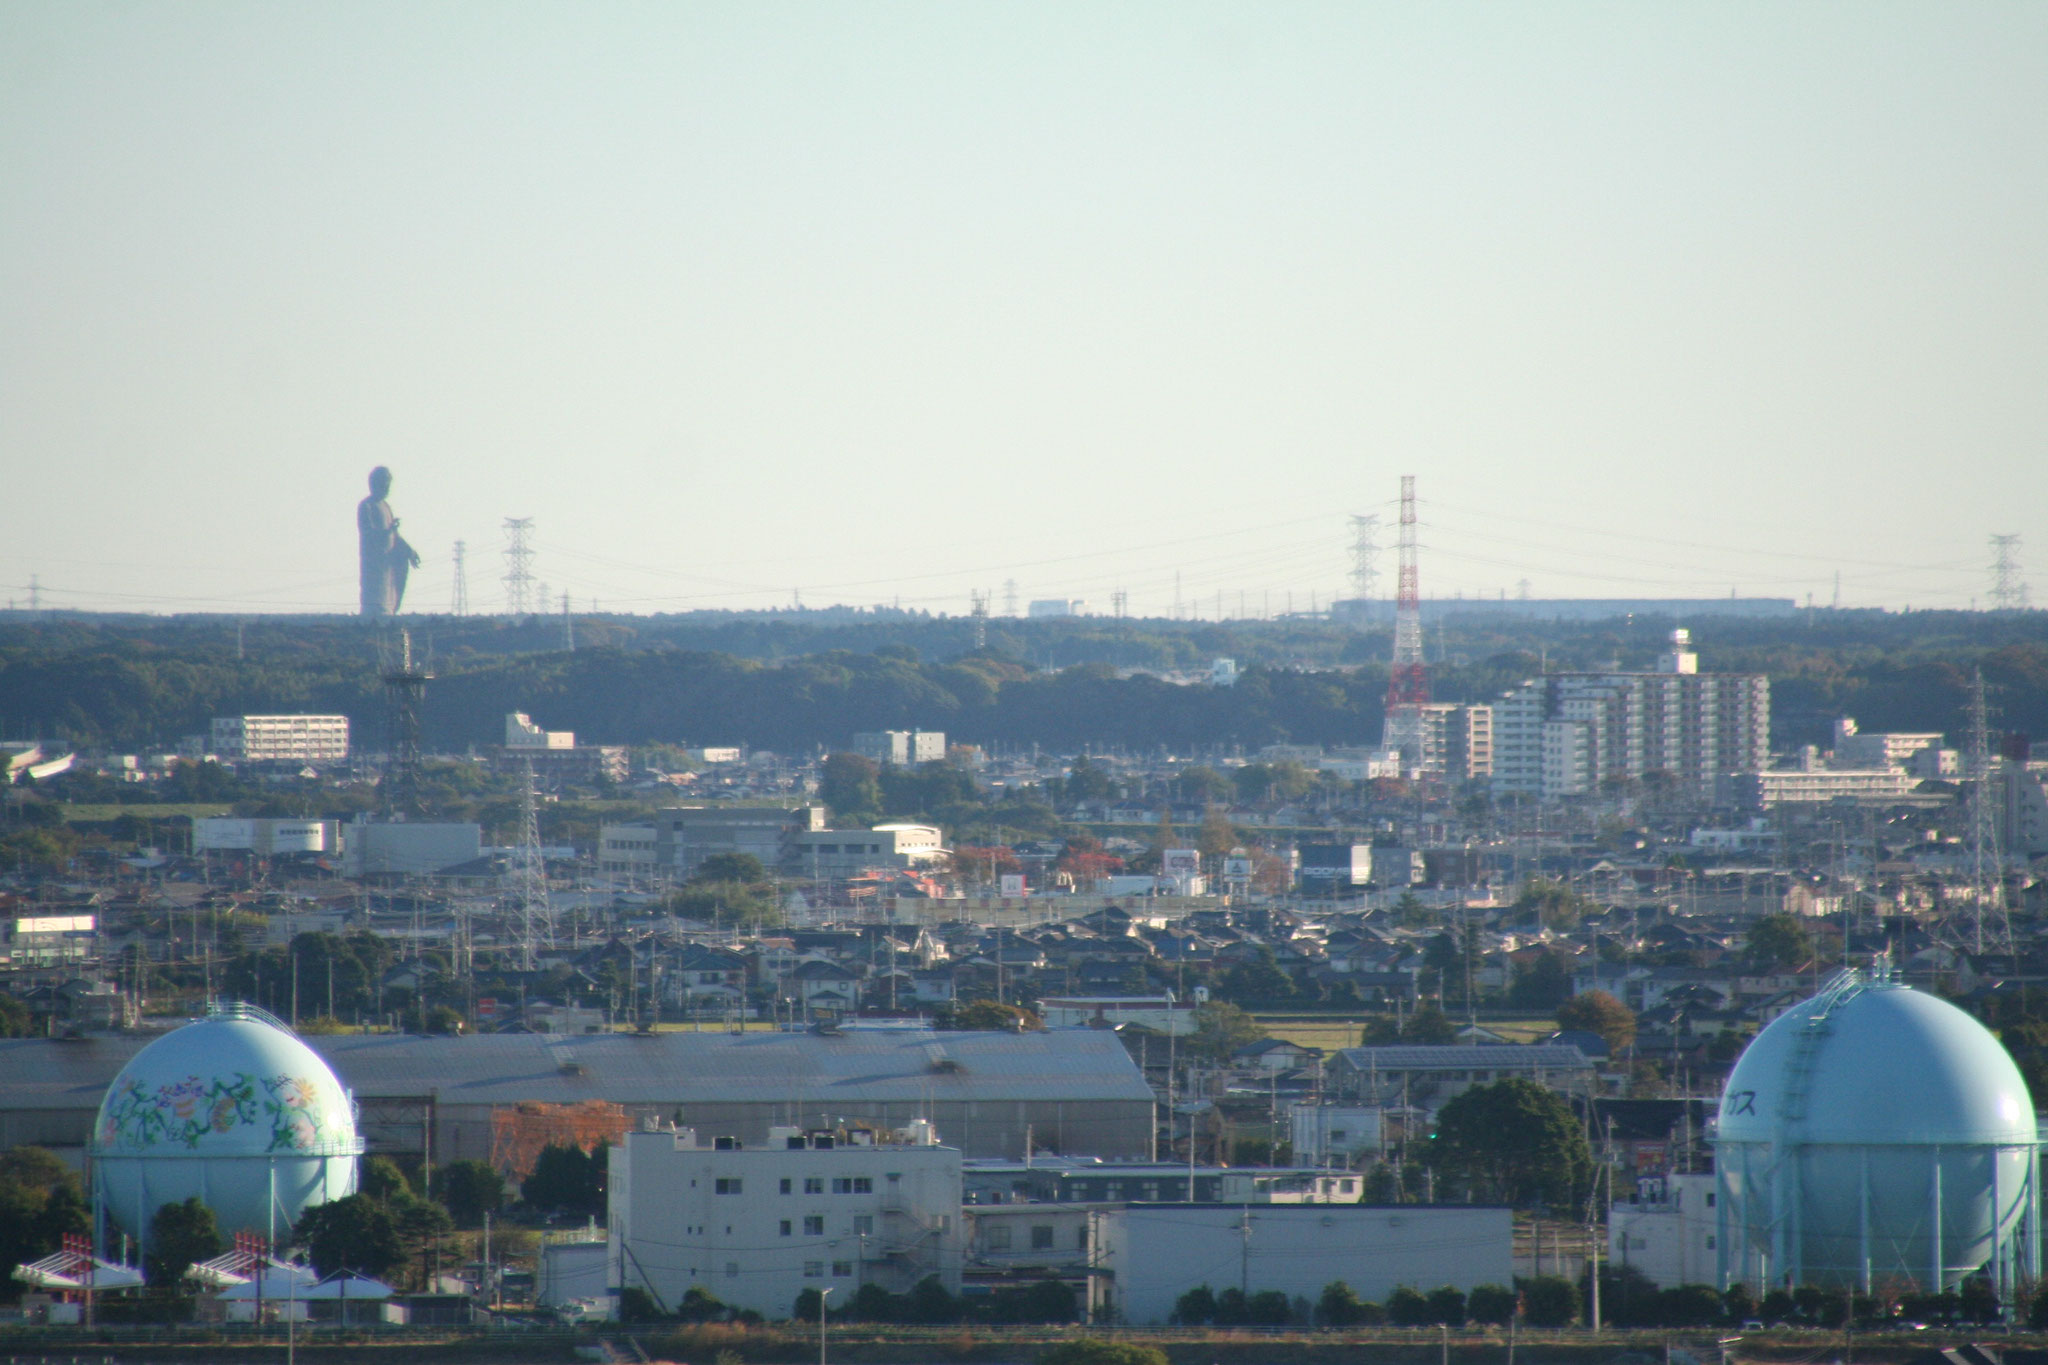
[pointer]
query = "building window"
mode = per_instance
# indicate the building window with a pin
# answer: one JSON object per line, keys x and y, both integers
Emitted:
{"x": 842, "y": 1185}
{"x": 785, "y": 1184}
{"x": 1710, "y": 1241}
{"x": 1151, "y": 1191}
{"x": 726, "y": 1185}
{"x": 814, "y": 1184}
{"x": 1041, "y": 1237}
{"x": 732, "y": 1270}
{"x": 863, "y": 1184}
{"x": 842, "y": 1270}
{"x": 999, "y": 1237}
{"x": 814, "y": 1226}
{"x": 814, "y": 1270}
{"x": 1081, "y": 1237}
{"x": 863, "y": 1225}
{"x": 785, "y": 1227}
{"x": 1113, "y": 1191}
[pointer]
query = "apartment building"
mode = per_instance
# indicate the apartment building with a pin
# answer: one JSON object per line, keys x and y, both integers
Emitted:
{"x": 1570, "y": 734}
{"x": 1457, "y": 741}
{"x": 826, "y": 1209}
{"x": 904, "y": 748}
{"x": 281, "y": 739}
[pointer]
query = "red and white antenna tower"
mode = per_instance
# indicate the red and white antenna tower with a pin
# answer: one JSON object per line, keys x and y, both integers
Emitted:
{"x": 1408, "y": 680}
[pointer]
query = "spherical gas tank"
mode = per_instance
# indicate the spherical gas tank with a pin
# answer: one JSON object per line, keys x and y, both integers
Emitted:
{"x": 1874, "y": 1134}
{"x": 234, "y": 1110}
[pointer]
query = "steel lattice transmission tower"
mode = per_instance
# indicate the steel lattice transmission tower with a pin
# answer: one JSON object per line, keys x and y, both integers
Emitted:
{"x": 460, "y": 606}
{"x": 1365, "y": 557}
{"x": 1991, "y": 929}
{"x": 980, "y": 614}
{"x": 526, "y": 876}
{"x": 1408, "y": 679}
{"x": 518, "y": 566}
{"x": 405, "y": 695}
{"x": 2008, "y": 590}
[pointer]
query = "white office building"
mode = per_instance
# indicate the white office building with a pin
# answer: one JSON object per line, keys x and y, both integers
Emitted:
{"x": 281, "y": 739}
{"x": 756, "y": 1226}
{"x": 1667, "y": 1230}
{"x": 678, "y": 838}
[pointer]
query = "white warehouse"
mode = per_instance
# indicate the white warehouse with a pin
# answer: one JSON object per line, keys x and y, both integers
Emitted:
{"x": 756, "y": 1226}
{"x": 1157, "y": 1252}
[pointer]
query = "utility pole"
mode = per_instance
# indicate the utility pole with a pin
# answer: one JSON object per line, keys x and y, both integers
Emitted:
{"x": 460, "y": 605}
{"x": 568, "y": 627}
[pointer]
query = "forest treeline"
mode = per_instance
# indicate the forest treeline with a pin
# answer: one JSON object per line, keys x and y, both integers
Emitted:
{"x": 132, "y": 683}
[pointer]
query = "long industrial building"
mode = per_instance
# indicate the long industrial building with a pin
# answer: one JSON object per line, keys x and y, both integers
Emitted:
{"x": 1070, "y": 1091}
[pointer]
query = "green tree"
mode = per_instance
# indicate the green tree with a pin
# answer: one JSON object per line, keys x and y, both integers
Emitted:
{"x": 850, "y": 787}
{"x": 180, "y": 1236}
{"x": 1779, "y": 943}
{"x": 39, "y": 1202}
{"x": 1491, "y": 1304}
{"x": 1408, "y": 1308}
{"x": 1513, "y": 1142}
{"x": 566, "y": 1179}
{"x": 1598, "y": 1012}
{"x": 380, "y": 1178}
{"x": 744, "y": 868}
{"x": 1340, "y": 1306}
{"x": 1550, "y": 1301}
{"x": 1447, "y": 1305}
{"x": 1216, "y": 836}
{"x": 986, "y": 1016}
{"x": 471, "y": 1189}
{"x": 1221, "y": 1028}
{"x": 354, "y": 1234}
{"x": 1544, "y": 984}
{"x": 1259, "y": 982}
{"x": 1556, "y": 905}
{"x": 1428, "y": 1025}
{"x": 1197, "y": 1306}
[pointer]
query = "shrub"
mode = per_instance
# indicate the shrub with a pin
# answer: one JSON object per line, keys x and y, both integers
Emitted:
{"x": 1491, "y": 1303}
{"x": 1407, "y": 1308}
{"x": 1095, "y": 1351}
{"x": 1550, "y": 1301}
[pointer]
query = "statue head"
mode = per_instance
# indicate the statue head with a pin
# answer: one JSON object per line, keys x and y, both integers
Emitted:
{"x": 380, "y": 481}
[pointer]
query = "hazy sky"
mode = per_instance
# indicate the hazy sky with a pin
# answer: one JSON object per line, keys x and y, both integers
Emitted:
{"x": 896, "y": 301}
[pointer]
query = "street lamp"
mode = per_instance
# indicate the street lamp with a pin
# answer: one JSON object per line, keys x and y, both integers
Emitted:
{"x": 821, "y": 1323}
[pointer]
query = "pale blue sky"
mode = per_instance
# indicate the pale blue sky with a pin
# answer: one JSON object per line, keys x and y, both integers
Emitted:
{"x": 884, "y": 301}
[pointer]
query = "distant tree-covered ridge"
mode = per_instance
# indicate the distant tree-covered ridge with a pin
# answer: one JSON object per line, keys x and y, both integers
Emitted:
{"x": 131, "y": 683}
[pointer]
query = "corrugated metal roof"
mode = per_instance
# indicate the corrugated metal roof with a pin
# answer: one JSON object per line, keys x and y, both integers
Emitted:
{"x": 1467, "y": 1057}
{"x": 656, "y": 1068}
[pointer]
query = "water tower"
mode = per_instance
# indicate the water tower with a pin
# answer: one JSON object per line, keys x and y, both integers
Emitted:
{"x": 1876, "y": 1136}
{"x": 233, "y": 1110}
